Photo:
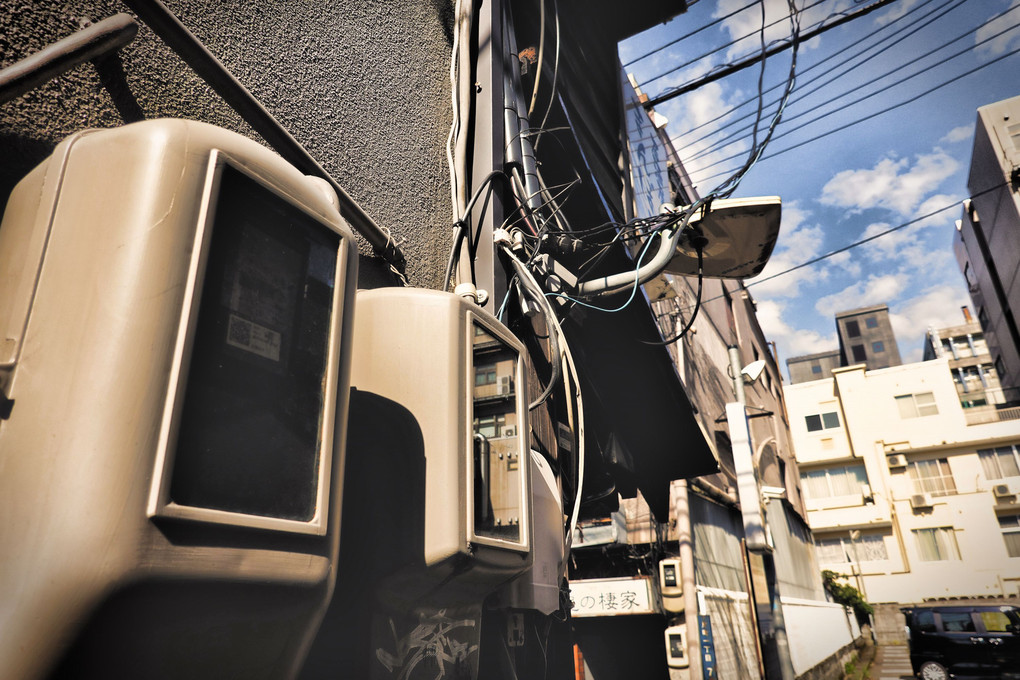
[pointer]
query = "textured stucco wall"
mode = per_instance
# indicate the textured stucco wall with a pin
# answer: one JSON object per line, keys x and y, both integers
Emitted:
{"x": 363, "y": 85}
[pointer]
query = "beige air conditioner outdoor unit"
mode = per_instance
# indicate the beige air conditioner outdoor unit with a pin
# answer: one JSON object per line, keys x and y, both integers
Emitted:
{"x": 897, "y": 461}
{"x": 1002, "y": 491}
{"x": 920, "y": 500}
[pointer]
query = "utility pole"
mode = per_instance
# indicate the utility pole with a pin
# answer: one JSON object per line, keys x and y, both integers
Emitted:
{"x": 754, "y": 520}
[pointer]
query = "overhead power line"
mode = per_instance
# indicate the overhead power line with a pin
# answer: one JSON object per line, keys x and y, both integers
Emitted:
{"x": 694, "y": 32}
{"x": 725, "y": 45}
{"x": 933, "y": 14}
{"x": 755, "y": 58}
{"x": 874, "y": 92}
{"x": 828, "y": 76}
{"x": 855, "y": 244}
{"x": 883, "y": 111}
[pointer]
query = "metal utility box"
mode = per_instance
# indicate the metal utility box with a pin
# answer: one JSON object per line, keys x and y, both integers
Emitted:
{"x": 671, "y": 585}
{"x": 459, "y": 373}
{"x": 175, "y": 305}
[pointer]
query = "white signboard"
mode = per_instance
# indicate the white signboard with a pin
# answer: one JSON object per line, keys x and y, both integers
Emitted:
{"x": 611, "y": 597}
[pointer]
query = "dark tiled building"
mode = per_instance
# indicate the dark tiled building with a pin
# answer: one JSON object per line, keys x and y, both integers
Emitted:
{"x": 865, "y": 337}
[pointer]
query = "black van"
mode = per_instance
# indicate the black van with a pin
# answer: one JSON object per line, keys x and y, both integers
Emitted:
{"x": 964, "y": 641}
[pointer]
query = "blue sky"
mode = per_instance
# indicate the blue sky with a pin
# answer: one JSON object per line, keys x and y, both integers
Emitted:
{"x": 865, "y": 177}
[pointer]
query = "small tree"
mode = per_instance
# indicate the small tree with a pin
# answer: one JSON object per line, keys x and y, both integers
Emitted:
{"x": 846, "y": 595}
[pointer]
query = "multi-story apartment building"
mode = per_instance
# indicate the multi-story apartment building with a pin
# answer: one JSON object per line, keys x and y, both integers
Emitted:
{"x": 905, "y": 495}
{"x": 987, "y": 241}
{"x": 977, "y": 381}
{"x": 865, "y": 337}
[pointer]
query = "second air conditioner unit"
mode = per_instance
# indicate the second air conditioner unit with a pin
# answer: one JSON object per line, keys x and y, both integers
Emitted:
{"x": 505, "y": 384}
{"x": 897, "y": 461}
{"x": 920, "y": 500}
{"x": 1002, "y": 491}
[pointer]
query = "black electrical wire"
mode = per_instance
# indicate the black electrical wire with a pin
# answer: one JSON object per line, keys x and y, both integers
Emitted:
{"x": 692, "y": 33}
{"x": 838, "y": 71}
{"x": 461, "y": 226}
{"x": 863, "y": 241}
{"x": 698, "y": 247}
{"x": 730, "y": 185}
{"x": 820, "y": 81}
{"x": 935, "y": 13}
{"x": 732, "y": 42}
{"x": 527, "y": 285}
{"x": 871, "y": 93}
{"x": 911, "y": 100}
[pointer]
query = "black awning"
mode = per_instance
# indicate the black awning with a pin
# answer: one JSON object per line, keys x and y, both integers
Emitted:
{"x": 645, "y": 430}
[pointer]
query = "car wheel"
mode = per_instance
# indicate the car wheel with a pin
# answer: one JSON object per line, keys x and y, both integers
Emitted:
{"x": 932, "y": 670}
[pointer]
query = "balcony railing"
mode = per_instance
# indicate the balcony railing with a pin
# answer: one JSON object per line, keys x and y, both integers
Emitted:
{"x": 982, "y": 416}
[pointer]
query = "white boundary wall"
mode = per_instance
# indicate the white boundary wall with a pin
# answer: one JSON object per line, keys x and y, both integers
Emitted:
{"x": 816, "y": 630}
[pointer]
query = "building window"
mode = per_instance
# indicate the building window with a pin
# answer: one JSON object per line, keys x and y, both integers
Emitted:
{"x": 822, "y": 421}
{"x": 853, "y": 329}
{"x": 1000, "y": 367}
{"x": 937, "y": 544}
{"x": 816, "y": 368}
{"x": 917, "y": 405}
{"x": 858, "y": 352}
{"x": 932, "y": 477}
{"x": 491, "y": 426}
{"x": 866, "y": 548}
{"x": 871, "y": 322}
{"x": 1014, "y": 134}
{"x": 1000, "y": 462}
{"x": 983, "y": 318}
{"x": 878, "y": 346}
{"x": 1010, "y": 525}
{"x": 845, "y": 480}
{"x": 485, "y": 375}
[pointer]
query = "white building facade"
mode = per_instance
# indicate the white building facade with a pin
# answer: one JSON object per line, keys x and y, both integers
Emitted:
{"x": 903, "y": 494}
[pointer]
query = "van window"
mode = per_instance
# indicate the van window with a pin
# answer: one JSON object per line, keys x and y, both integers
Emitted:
{"x": 925, "y": 622}
{"x": 995, "y": 622}
{"x": 957, "y": 622}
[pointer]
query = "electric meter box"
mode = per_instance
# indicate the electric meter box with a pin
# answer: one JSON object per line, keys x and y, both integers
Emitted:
{"x": 676, "y": 647}
{"x": 175, "y": 306}
{"x": 671, "y": 585}
{"x": 459, "y": 373}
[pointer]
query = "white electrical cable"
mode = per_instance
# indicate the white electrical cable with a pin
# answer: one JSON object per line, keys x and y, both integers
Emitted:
{"x": 572, "y": 390}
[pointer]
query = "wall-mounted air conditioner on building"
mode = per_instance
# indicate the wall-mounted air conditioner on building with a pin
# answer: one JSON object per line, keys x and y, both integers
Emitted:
{"x": 920, "y": 500}
{"x": 1002, "y": 491}
{"x": 509, "y": 432}
{"x": 505, "y": 384}
{"x": 897, "y": 460}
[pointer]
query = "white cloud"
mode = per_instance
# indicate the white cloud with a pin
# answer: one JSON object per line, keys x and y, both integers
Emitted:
{"x": 1000, "y": 44}
{"x": 798, "y": 242}
{"x": 876, "y": 290}
{"x": 892, "y": 184}
{"x": 958, "y": 134}
{"x": 938, "y": 307}
{"x": 922, "y": 245}
{"x": 898, "y": 10}
{"x": 745, "y": 27}
{"x": 796, "y": 341}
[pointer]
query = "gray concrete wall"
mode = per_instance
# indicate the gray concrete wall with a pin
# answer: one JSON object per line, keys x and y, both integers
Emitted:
{"x": 362, "y": 85}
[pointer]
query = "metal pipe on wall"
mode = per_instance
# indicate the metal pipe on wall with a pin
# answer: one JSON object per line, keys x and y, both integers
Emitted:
{"x": 184, "y": 43}
{"x": 103, "y": 37}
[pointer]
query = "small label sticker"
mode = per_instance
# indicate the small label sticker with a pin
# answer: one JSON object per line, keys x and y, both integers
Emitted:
{"x": 251, "y": 337}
